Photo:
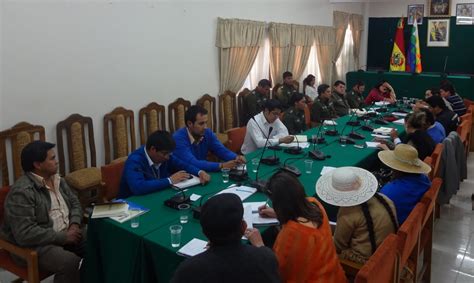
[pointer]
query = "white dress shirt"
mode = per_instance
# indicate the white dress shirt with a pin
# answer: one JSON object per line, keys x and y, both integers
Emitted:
{"x": 255, "y": 137}
{"x": 311, "y": 92}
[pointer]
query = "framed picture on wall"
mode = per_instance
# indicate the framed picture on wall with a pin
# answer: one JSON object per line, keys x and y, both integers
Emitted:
{"x": 438, "y": 33}
{"x": 440, "y": 8}
{"x": 464, "y": 14}
{"x": 417, "y": 12}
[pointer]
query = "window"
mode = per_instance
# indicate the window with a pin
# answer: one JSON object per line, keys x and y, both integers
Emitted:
{"x": 311, "y": 68}
{"x": 261, "y": 67}
{"x": 345, "y": 62}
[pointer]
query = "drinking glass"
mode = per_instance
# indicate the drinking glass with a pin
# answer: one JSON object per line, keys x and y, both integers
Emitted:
{"x": 175, "y": 231}
{"x": 225, "y": 175}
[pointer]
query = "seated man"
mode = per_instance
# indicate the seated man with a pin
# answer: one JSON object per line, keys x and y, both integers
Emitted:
{"x": 409, "y": 180}
{"x": 255, "y": 100}
{"x": 338, "y": 99}
{"x": 258, "y": 128}
{"x": 355, "y": 97}
{"x": 446, "y": 90}
{"x": 285, "y": 92}
{"x": 42, "y": 213}
{"x": 294, "y": 118}
{"x": 446, "y": 117}
{"x": 152, "y": 167}
{"x": 227, "y": 259}
{"x": 322, "y": 108}
{"x": 194, "y": 141}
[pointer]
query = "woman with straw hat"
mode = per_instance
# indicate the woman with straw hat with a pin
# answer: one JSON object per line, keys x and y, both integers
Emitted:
{"x": 365, "y": 217}
{"x": 409, "y": 179}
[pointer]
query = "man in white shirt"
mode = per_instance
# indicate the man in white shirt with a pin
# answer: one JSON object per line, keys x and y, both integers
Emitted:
{"x": 258, "y": 128}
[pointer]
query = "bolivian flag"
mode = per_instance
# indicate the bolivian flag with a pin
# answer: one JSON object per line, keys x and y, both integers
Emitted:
{"x": 397, "y": 60}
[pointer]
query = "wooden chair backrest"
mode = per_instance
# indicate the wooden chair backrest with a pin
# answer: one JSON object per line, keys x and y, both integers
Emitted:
{"x": 78, "y": 131}
{"x": 275, "y": 90}
{"x": 409, "y": 233}
{"x": 429, "y": 161}
{"x": 429, "y": 198}
{"x": 119, "y": 127}
{"x": 296, "y": 84}
{"x": 382, "y": 265}
{"x": 111, "y": 176}
{"x": 241, "y": 106}
{"x": 12, "y": 142}
{"x": 150, "y": 119}
{"x": 209, "y": 103}
{"x": 176, "y": 111}
{"x": 236, "y": 138}
{"x": 436, "y": 158}
{"x": 3, "y": 195}
{"x": 227, "y": 111}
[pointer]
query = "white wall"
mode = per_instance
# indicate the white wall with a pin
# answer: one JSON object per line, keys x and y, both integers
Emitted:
{"x": 399, "y": 7}
{"x": 87, "y": 57}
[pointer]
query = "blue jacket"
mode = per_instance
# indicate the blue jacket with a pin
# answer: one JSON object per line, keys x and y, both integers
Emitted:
{"x": 437, "y": 133}
{"x": 406, "y": 192}
{"x": 138, "y": 177}
{"x": 196, "y": 154}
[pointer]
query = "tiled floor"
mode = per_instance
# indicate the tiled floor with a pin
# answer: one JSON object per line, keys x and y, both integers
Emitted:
{"x": 453, "y": 247}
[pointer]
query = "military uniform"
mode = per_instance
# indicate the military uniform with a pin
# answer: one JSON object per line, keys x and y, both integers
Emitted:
{"x": 322, "y": 109}
{"x": 294, "y": 120}
{"x": 254, "y": 104}
{"x": 355, "y": 99}
{"x": 340, "y": 104}
{"x": 284, "y": 94}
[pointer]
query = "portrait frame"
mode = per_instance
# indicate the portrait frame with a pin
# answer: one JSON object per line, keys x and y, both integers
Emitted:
{"x": 439, "y": 8}
{"x": 438, "y": 33}
{"x": 419, "y": 10}
{"x": 465, "y": 14}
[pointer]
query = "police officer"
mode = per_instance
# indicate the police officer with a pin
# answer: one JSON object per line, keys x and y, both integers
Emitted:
{"x": 323, "y": 108}
{"x": 285, "y": 92}
{"x": 339, "y": 100}
{"x": 355, "y": 97}
{"x": 294, "y": 118}
{"x": 255, "y": 100}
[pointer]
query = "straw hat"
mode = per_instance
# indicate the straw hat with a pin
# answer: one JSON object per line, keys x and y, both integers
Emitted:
{"x": 346, "y": 186}
{"x": 405, "y": 159}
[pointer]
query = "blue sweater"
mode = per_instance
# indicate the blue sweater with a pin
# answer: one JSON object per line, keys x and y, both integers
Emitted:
{"x": 138, "y": 177}
{"x": 406, "y": 192}
{"x": 437, "y": 133}
{"x": 196, "y": 154}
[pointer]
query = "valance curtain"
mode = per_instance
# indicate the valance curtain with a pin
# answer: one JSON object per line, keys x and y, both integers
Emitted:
{"x": 238, "y": 42}
{"x": 357, "y": 25}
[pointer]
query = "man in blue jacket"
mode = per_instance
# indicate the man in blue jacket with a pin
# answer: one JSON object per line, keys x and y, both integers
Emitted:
{"x": 150, "y": 168}
{"x": 194, "y": 141}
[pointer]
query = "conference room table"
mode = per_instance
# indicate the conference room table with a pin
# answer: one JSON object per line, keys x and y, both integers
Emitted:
{"x": 118, "y": 253}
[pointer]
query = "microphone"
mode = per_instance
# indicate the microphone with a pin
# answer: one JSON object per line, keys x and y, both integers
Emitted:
{"x": 319, "y": 138}
{"x": 352, "y": 134}
{"x": 316, "y": 154}
{"x": 291, "y": 169}
{"x": 271, "y": 160}
{"x": 332, "y": 132}
{"x": 261, "y": 184}
{"x": 238, "y": 174}
{"x": 294, "y": 149}
{"x": 177, "y": 199}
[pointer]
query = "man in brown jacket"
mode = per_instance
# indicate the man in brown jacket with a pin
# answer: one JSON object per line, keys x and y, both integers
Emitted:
{"x": 42, "y": 213}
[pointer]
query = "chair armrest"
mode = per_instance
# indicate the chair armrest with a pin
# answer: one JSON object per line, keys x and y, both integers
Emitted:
{"x": 24, "y": 253}
{"x": 350, "y": 268}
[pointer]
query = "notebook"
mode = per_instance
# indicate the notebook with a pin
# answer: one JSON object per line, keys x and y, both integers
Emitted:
{"x": 133, "y": 211}
{"x": 118, "y": 208}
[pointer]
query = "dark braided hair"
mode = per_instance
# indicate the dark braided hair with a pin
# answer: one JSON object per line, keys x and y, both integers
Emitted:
{"x": 384, "y": 202}
{"x": 370, "y": 225}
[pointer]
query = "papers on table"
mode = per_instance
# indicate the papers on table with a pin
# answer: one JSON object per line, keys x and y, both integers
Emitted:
{"x": 118, "y": 208}
{"x": 252, "y": 217}
{"x": 327, "y": 169}
{"x": 134, "y": 210}
{"x": 380, "y": 136}
{"x": 329, "y": 123}
{"x": 383, "y": 131}
{"x": 382, "y": 103}
{"x": 372, "y": 144}
{"x": 194, "y": 197}
{"x": 400, "y": 121}
{"x": 295, "y": 144}
{"x": 242, "y": 192}
{"x": 399, "y": 114}
{"x": 192, "y": 248}
{"x": 187, "y": 183}
{"x": 301, "y": 138}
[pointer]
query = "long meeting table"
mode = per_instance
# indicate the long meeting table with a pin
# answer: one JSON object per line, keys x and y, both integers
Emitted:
{"x": 118, "y": 253}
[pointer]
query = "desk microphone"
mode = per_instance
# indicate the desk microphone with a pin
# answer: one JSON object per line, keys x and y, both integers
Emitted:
{"x": 319, "y": 137}
{"x": 294, "y": 149}
{"x": 177, "y": 199}
{"x": 270, "y": 160}
{"x": 291, "y": 169}
{"x": 316, "y": 154}
{"x": 332, "y": 132}
{"x": 353, "y": 134}
{"x": 345, "y": 139}
{"x": 261, "y": 184}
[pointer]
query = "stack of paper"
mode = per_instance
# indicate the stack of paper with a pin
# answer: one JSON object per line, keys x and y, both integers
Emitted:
{"x": 252, "y": 217}
{"x": 329, "y": 123}
{"x": 187, "y": 183}
{"x": 192, "y": 248}
{"x": 383, "y": 131}
{"x": 134, "y": 210}
{"x": 242, "y": 192}
{"x": 109, "y": 209}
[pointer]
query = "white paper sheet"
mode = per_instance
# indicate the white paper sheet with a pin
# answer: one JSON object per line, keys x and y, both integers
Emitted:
{"x": 301, "y": 144}
{"x": 372, "y": 144}
{"x": 242, "y": 192}
{"x": 187, "y": 183}
{"x": 192, "y": 248}
{"x": 194, "y": 197}
{"x": 399, "y": 114}
{"x": 329, "y": 123}
{"x": 399, "y": 121}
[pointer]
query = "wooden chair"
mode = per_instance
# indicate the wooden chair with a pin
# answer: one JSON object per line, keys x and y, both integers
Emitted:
{"x": 119, "y": 127}
{"x": 241, "y": 107}
{"x": 436, "y": 158}
{"x": 467, "y": 102}
{"x": 227, "y": 111}
{"x": 382, "y": 265}
{"x": 12, "y": 142}
{"x": 236, "y": 138}
{"x": 150, "y": 119}
{"x": 176, "y": 112}
{"x": 464, "y": 133}
{"x": 111, "y": 176}
{"x": 275, "y": 90}
{"x": 31, "y": 272}
{"x": 409, "y": 239}
{"x": 426, "y": 238}
{"x": 296, "y": 84}
{"x": 307, "y": 116}
{"x": 81, "y": 174}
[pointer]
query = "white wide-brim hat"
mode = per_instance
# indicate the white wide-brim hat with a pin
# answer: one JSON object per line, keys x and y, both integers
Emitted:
{"x": 404, "y": 158}
{"x": 346, "y": 186}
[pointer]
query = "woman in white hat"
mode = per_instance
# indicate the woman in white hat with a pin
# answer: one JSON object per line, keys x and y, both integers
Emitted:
{"x": 365, "y": 217}
{"x": 409, "y": 180}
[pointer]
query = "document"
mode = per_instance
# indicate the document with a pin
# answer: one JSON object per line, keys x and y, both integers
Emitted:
{"x": 117, "y": 208}
{"x": 383, "y": 131}
{"x": 187, "y": 183}
{"x": 301, "y": 138}
{"x": 242, "y": 192}
{"x": 400, "y": 121}
{"x": 329, "y": 123}
{"x": 134, "y": 210}
{"x": 399, "y": 114}
{"x": 192, "y": 248}
{"x": 372, "y": 144}
{"x": 294, "y": 144}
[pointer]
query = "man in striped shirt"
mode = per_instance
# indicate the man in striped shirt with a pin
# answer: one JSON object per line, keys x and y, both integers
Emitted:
{"x": 446, "y": 90}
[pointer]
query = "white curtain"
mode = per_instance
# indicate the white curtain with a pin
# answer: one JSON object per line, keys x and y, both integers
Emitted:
{"x": 261, "y": 67}
{"x": 311, "y": 68}
{"x": 346, "y": 60}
